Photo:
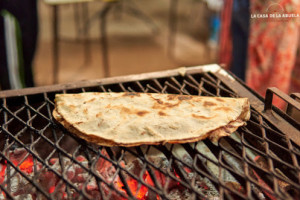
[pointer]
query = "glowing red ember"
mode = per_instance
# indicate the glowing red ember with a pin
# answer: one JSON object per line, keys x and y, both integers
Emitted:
{"x": 140, "y": 193}
{"x": 2, "y": 172}
{"x": 27, "y": 165}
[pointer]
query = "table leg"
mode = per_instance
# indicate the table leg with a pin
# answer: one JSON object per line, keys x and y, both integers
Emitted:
{"x": 87, "y": 51}
{"x": 104, "y": 42}
{"x": 55, "y": 44}
{"x": 172, "y": 27}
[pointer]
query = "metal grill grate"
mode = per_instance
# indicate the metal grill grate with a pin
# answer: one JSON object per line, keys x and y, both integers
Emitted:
{"x": 38, "y": 156}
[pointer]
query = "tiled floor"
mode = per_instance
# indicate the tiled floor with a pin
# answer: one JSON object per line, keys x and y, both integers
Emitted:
{"x": 133, "y": 46}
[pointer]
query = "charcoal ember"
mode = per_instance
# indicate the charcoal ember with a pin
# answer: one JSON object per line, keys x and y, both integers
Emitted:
{"x": 59, "y": 191}
{"x": 135, "y": 166}
{"x": 259, "y": 193}
{"x": 17, "y": 154}
{"x": 95, "y": 195}
{"x": 24, "y": 187}
{"x": 80, "y": 175}
{"x": 73, "y": 194}
{"x": 161, "y": 173}
{"x": 21, "y": 157}
{"x": 56, "y": 163}
{"x": 106, "y": 169}
{"x": 52, "y": 161}
{"x": 80, "y": 178}
{"x": 235, "y": 186}
{"x": 190, "y": 175}
{"x": 81, "y": 158}
{"x": 51, "y": 183}
{"x": 159, "y": 162}
{"x": 205, "y": 186}
{"x": 18, "y": 185}
{"x": 24, "y": 197}
{"x": 70, "y": 172}
{"x": 48, "y": 181}
{"x": 92, "y": 185}
{"x": 213, "y": 198}
{"x": 15, "y": 183}
{"x": 161, "y": 165}
{"x": 92, "y": 189}
{"x": 2, "y": 195}
{"x": 187, "y": 159}
{"x": 107, "y": 172}
{"x": 110, "y": 194}
{"x": 187, "y": 172}
{"x": 2, "y": 171}
{"x": 176, "y": 194}
{"x": 78, "y": 168}
{"x": 102, "y": 165}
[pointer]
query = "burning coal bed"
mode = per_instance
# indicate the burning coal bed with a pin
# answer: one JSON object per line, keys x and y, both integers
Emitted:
{"x": 22, "y": 188}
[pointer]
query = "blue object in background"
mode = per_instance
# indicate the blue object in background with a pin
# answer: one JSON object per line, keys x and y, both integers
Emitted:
{"x": 215, "y": 27}
{"x": 240, "y": 36}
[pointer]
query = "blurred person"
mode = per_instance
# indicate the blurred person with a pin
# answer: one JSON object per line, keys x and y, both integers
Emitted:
{"x": 295, "y": 83}
{"x": 18, "y": 38}
{"x": 273, "y": 46}
{"x": 225, "y": 41}
{"x": 240, "y": 20}
{"x": 266, "y": 55}
{"x": 234, "y": 36}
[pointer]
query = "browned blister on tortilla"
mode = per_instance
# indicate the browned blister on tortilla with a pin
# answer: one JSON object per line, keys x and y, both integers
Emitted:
{"x": 132, "y": 119}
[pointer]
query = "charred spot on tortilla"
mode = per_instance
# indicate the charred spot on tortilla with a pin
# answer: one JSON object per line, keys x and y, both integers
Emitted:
{"x": 164, "y": 105}
{"x": 219, "y": 99}
{"x": 72, "y": 107}
{"x": 131, "y": 94}
{"x": 159, "y": 101}
{"x": 181, "y": 98}
{"x": 171, "y": 97}
{"x": 201, "y": 117}
{"x": 208, "y": 103}
{"x": 161, "y": 113}
{"x": 93, "y": 99}
{"x": 125, "y": 110}
{"x": 142, "y": 113}
{"x": 85, "y": 111}
{"x": 226, "y": 109}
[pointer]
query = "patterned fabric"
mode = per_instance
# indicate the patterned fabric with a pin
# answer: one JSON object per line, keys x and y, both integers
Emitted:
{"x": 225, "y": 35}
{"x": 295, "y": 82}
{"x": 272, "y": 46}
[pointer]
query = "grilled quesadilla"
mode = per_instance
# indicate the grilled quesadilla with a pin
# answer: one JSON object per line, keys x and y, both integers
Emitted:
{"x": 132, "y": 119}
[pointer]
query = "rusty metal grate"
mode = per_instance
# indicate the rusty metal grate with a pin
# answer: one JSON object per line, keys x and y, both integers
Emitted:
{"x": 38, "y": 156}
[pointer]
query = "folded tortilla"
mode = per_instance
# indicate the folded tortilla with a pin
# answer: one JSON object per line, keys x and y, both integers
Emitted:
{"x": 132, "y": 119}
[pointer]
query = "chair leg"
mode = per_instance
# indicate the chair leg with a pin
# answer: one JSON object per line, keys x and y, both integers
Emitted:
{"x": 134, "y": 11}
{"x": 82, "y": 29}
{"x": 86, "y": 42}
{"x": 55, "y": 40}
{"x": 77, "y": 21}
{"x": 172, "y": 27}
{"x": 104, "y": 43}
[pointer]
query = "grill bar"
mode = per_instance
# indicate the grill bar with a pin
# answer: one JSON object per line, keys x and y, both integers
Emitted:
{"x": 258, "y": 161}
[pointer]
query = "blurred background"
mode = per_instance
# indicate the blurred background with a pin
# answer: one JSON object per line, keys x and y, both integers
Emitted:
{"x": 135, "y": 45}
{"x": 58, "y": 41}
